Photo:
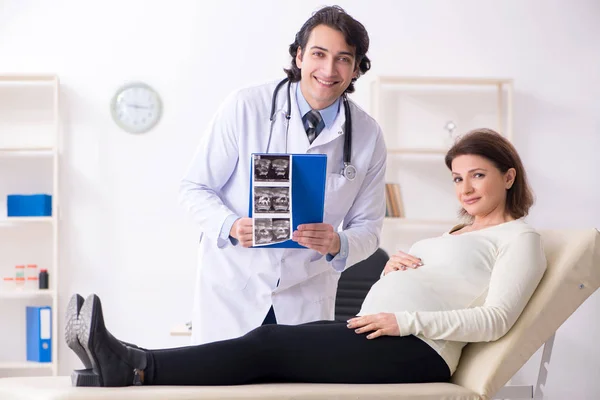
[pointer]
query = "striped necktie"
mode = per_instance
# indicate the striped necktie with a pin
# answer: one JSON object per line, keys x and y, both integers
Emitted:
{"x": 313, "y": 124}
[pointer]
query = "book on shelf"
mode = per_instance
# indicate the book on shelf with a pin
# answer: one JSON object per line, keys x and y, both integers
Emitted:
{"x": 394, "y": 206}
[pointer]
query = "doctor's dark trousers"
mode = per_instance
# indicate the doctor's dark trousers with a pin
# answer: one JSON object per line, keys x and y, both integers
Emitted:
{"x": 319, "y": 352}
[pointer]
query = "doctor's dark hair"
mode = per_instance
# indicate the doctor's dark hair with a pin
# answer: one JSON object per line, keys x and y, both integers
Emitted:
{"x": 497, "y": 149}
{"x": 336, "y": 18}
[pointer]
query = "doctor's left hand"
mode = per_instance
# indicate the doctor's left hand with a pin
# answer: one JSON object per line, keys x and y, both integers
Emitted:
{"x": 381, "y": 324}
{"x": 320, "y": 237}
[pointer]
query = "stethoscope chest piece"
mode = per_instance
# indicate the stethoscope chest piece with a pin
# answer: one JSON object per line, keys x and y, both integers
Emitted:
{"x": 349, "y": 172}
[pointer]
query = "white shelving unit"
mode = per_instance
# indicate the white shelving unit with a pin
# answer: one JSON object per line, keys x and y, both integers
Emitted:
{"x": 413, "y": 113}
{"x": 29, "y": 163}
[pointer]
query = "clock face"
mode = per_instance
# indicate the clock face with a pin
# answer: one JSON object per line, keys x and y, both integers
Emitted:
{"x": 136, "y": 108}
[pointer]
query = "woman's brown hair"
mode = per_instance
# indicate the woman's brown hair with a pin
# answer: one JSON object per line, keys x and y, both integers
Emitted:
{"x": 491, "y": 145}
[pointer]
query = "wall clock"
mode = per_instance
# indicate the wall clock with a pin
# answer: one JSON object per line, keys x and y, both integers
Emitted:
{"x": 136, "y": 107}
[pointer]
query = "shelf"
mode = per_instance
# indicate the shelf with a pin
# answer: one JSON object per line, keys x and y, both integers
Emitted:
{"x": 26, "y": 293}
{"x": 26, "y": 151}
{"x": 14, "y": 79}
{"x": 423, "y": 222}
{"x": 25, "y": 365}
{"x": 419, "y": 151}
{"x": 422, "y": 80}
{"x": 181, "y": 330}
{"x": 10, "y": 221}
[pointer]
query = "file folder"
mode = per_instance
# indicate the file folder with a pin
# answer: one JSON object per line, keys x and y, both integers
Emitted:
{"x": 309, "y": 172}
{"x": 39, "y": 334}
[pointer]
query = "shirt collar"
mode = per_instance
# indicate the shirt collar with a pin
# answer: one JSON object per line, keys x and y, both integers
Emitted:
{"x": 328, "y": 114}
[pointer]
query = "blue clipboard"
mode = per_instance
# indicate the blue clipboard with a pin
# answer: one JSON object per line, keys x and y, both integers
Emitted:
{"x": 309, "y": 172}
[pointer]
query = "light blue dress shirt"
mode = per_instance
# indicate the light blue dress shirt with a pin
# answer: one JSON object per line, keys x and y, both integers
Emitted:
{"x": 329, "y": 114}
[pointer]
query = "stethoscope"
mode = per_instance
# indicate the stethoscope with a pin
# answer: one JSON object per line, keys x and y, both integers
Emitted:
{"x": 348, "y": 171}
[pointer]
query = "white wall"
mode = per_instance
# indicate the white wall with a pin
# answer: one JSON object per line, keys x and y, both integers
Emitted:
{"x": 124, "y": 235}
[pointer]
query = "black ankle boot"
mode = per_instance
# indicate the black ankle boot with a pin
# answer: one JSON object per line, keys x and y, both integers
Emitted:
{"x": 113, "y": 363}
{"x": 80, "y": 377}
{"x": 86, "y": 376}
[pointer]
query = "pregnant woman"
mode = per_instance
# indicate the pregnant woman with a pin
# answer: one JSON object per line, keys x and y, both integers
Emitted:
{"x": 468, "y": 285}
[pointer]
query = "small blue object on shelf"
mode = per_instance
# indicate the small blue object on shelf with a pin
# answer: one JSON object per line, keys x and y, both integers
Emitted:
{"x": 32, "y": 205}
{"x": 39, "y": 334}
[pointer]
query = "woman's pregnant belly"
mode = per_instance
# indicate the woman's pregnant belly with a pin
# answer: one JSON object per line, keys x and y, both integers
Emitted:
{"x": 424, "y": 289}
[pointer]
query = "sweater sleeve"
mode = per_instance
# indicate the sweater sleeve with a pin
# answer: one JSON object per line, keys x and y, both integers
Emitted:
{"x": 519, "y": 268}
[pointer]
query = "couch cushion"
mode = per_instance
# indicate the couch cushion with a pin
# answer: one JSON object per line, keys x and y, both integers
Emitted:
{"x": 59, "y": 388}
{"x": 573, "y": 274}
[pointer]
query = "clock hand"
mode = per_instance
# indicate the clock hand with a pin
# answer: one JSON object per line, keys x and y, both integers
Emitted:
{"x": 137, "y": 106}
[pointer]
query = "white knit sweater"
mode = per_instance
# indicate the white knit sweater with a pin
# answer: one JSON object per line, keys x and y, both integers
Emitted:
{"x": 472, "y": 287}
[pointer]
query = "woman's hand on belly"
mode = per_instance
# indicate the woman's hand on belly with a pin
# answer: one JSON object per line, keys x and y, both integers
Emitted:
{"x": 401, "y": 261}
{"x": 381, "y": 324}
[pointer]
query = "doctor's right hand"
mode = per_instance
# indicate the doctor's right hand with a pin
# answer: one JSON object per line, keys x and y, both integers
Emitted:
{"x": 242, "y": 231}
{"x": 400, "y": 261}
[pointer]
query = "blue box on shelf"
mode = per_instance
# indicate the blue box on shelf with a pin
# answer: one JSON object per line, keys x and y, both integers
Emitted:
{"x": 30, "y": 205}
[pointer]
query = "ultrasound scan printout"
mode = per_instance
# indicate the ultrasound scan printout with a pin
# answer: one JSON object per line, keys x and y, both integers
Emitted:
{"x": 271, "y": 198}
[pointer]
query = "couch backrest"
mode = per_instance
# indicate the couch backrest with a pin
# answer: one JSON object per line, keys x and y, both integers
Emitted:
{"x": 573, "y": 274}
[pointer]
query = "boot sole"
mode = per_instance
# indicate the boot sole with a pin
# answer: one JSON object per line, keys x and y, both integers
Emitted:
{"x": 72, "y": 327}
{"x": 85, "y": 336}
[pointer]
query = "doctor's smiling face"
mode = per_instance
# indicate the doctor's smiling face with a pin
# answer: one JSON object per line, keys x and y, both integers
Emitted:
{"x": 327, "y": 64}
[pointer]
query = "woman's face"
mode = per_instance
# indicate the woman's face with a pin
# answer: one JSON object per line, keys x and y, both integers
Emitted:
{"x": 480, "y": 186}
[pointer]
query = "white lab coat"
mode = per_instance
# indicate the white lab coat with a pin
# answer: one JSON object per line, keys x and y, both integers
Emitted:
{"x": 236, "y": 286}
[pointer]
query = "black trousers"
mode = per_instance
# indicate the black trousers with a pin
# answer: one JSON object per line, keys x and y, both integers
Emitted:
{"x": 318, "y": 352}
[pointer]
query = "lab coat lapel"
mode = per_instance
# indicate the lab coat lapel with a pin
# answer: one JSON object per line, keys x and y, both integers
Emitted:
{"x": 336, "y": 130}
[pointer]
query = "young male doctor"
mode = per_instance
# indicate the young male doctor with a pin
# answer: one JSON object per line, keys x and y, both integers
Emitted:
{"x": 239, "y": 288}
